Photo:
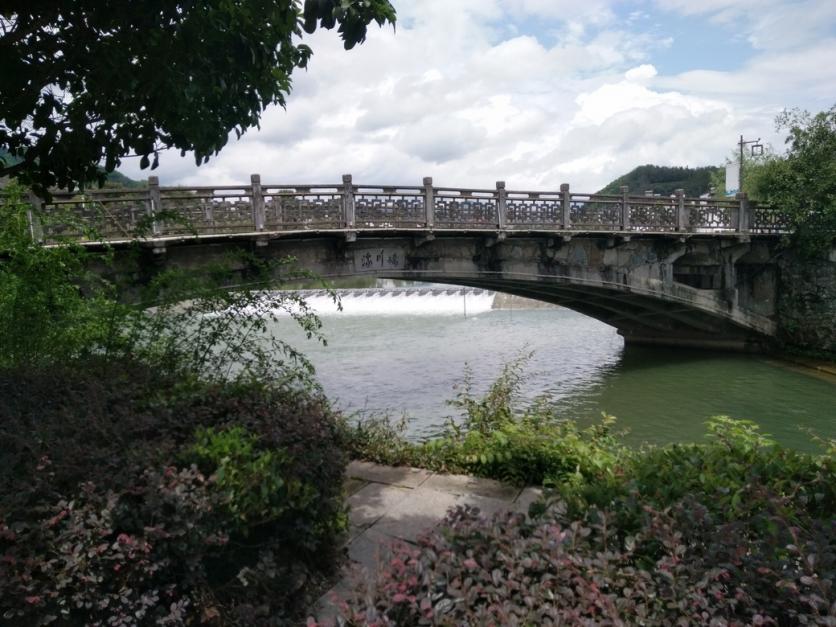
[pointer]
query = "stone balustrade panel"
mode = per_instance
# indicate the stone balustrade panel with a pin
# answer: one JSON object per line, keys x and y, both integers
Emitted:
{"x": 594, "y": 212}
{"x": 465, "y": 209}
{"x": 652, "y": 214}
{"x": 390, "y": 208}
{"x": 533, "y": 210}
{"x": 102, "y": 215}
{"x": 203, "y": 211}
{"x": 713, "y": 214}
{"x": 303, "y": 208}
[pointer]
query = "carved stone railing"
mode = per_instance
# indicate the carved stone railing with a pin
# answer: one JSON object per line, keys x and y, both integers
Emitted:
{"x": 160, "y": 212}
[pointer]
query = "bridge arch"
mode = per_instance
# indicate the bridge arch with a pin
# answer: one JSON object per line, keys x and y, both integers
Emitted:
{"x": 630, "y": 284}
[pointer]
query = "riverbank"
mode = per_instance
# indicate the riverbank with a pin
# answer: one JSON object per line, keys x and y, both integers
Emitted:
{"x": 826, "y": 367}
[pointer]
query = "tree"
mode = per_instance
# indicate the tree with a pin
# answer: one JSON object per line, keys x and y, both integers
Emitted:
{"x": 803, "y": 181}
{"x": 90, "y": 82}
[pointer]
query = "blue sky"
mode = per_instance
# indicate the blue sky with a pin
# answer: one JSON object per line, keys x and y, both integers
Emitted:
{"x": 537, "y": 93}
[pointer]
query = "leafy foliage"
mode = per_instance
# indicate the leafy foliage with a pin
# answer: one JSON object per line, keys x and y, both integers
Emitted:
{"x": 729, "y": 474}
{"x": 803, "y": 181}
{"x": 681, "y": 567}
{"x": 150, "y": 76}
{"x": 127, "y": 500}
{"x": 51, "y": 307}
{"x": 184, "y": 323}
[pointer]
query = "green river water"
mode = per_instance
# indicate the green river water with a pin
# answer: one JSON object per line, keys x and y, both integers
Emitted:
{"x": 409, "y": 363}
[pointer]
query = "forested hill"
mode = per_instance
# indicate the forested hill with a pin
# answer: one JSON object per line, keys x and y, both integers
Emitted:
{"x": 664, "y": 180}
{"x": 114, "y": 179}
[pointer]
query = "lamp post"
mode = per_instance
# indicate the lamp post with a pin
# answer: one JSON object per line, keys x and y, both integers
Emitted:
{"x": 756, "y": 150}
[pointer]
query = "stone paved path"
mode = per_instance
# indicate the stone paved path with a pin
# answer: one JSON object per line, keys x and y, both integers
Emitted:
{"x": 389, "y": 503}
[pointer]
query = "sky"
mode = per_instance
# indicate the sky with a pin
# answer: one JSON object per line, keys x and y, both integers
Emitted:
{"x": 535, "y": 93}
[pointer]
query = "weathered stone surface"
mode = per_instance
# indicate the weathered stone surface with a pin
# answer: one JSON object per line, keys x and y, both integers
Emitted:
{"x": 526, "y": 498}
{"x": 464, "y": 484}
{"x": 352, "y": 485}
{"x": 373, "y": 501}
{"x": 487, "y": 506}
{"x": 368, "y": 548}
{"x": 807, "y": 304}
{"x": 417, "y": 514}
{"x": 391, "y": 475}
{"x": 700, "y": 289}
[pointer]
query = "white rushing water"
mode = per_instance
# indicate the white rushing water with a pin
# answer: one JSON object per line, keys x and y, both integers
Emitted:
{"x": 428, "y": 301}
{"x": 436, "y": 302}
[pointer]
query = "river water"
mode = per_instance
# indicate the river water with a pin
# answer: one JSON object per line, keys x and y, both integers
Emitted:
{"x": 406, "y": 355}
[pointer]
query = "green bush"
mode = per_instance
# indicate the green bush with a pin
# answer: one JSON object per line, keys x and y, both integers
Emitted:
{"x": 721, "y": 473}
{"x": 126, "y": 500}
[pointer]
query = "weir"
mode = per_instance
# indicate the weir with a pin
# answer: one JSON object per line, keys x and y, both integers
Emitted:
{"x": 409, "y": 301}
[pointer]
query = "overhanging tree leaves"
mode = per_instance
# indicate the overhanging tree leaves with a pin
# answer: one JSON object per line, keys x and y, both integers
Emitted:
{"x": 89, "y": 82}
{"x": 803, "y": 181}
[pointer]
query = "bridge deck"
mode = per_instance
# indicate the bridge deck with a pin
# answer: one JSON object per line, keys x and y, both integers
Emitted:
{"x": 172, "y": 214}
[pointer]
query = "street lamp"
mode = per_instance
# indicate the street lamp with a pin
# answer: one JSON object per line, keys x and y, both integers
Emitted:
{"x": 756, "y": 151}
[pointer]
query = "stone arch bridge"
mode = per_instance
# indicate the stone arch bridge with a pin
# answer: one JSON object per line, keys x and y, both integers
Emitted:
{"x": 663, "y": 270}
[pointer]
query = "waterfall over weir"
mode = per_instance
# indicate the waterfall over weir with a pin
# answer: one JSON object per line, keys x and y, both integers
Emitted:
{"x": 407, "y": 301}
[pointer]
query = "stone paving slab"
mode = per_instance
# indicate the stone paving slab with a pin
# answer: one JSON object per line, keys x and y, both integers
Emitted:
{"x": 368, "y": 549}
{"x": 420, "y": 512}
{"x": 373, "y": 501}
{"x": 392, "y": 475}
{"x": 464, "y": 484}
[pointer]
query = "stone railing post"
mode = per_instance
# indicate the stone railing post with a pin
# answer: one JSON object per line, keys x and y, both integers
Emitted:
{"x": 566, "y": 206}
{"x": 742, "y": 225}
{"x": 501, "y": 205}
{"x": 259, "y": 216}
{"x": 154, "y": 203}
{"x": 625, "y": 208}
{"x": 682, "y": 214}
{"x": 348, "y": 202}
{"x": 429, "y": 202}
{"x": 36, "y": 206}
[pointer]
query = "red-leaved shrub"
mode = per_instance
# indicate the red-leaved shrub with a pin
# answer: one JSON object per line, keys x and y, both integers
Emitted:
{"x": 681, "y": 568}
{"x": 109, "y": 517}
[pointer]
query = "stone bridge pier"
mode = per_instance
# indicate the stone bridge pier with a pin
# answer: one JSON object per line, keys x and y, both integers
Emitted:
{"x": 691, "y": 291}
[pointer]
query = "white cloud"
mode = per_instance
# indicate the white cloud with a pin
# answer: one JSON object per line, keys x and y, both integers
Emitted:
{"x": 469, "y": 92}
{"x": 641, "y": 73}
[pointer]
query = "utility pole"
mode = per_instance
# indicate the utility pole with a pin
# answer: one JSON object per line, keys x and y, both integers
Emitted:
{"x": 757, "y": 149}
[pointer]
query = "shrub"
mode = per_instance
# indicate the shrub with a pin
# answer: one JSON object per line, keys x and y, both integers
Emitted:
{"x": 106, "y": 559}
{"x": 221, "y": 503}
{"x": 722, "y": 474}
{"x": 682, "y": 567}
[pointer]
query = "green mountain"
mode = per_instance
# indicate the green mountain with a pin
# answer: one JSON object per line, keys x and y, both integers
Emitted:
{"x": 114, "y": 179}
{"x": 664, "y": 180}
{"x": 117, "y": 179}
